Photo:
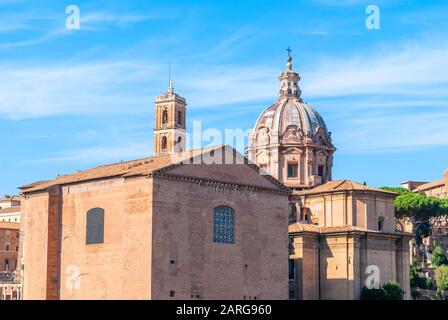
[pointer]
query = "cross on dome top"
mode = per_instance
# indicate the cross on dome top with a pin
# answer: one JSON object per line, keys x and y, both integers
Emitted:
{"x": 289, "y": 86}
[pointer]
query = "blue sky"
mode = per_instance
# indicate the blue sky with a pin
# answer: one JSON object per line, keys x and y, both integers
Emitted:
{"x": 73, "y": 99}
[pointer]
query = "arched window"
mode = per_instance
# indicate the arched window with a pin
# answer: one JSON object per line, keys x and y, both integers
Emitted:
{"x": 223, "y": 225}
{"x": 164, "y": 143}
{"x": 164, "y": 117}
{"x": 95, "y": 226}
{"x": 179, "y": 118}
{"x": 380, "y": 223}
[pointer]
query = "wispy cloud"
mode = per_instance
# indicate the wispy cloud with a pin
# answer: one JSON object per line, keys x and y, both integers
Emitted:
{"x": 99, "y": 154}
{"x": 385, "y": 101}
{"x": 75, "y": 88}
{"x": 411, "y": 76}
{"x": 415, "y": 69}
{"x": 93, "y": 20}
{"x": 105, "y": 87}
{"x": 48, "y": 26}
{"x": 398, "y": 132}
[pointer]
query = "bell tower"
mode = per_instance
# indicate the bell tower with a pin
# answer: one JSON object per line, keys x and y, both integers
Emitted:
{"x": 170, "y": 119}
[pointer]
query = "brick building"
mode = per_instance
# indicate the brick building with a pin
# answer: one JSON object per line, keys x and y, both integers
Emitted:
{"x": 9, "y": 257}
{"x": 179, "y": 226}
{"x": 10, "y": 209}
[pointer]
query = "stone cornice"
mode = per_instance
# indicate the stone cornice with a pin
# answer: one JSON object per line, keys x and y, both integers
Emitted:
{"x": 219, "y": 184}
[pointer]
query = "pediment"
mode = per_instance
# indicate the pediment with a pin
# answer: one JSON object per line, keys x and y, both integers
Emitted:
{"x": 239, "y": 171}
{"x": 292, "y": 150}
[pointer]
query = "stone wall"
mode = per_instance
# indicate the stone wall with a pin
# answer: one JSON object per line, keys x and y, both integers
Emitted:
{"x": 305, "y": 253}
{"x": 119, "y": 268}
{"x": 342, "y": 259}
{"x": 35, "y": 215}
{"x": 187, "y": 264}
{"x": 357, "y": 209}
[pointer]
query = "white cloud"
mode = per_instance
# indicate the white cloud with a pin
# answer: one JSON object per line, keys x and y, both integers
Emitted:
{"x": 409, "y": 79}
{"x": 416, "y": 69}
{"x": 100, "y": 154}
{"x": 393, "y": 132}
{"x": 91, "y": 20}
{"x": 86, "y": 88}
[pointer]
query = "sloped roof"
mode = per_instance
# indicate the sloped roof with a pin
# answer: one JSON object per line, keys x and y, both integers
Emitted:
{"x": 301, "y": 227}
{"x": 430, "y": 185}
{"x": 10, "y": 209}
{"x": 340, "y": 185}
{"x": 33, "y": 184}
{"x": 10, "y": 198}
{"x": 143, "y": 166}
{"x": 9, "y": 225}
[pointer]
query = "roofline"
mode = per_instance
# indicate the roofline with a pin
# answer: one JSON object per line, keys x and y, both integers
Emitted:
{"x": 284, "y": 189}
{"x": 414, "y": 182}
{"x": 229, "y": 184}
{"x": 311, "y": 192}
{"x": 432, "y": 185}
{"x": 353, "y": 231}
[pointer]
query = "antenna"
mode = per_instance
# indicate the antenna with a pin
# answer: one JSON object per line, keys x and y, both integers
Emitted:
{"x": 169, "y": 73}
{"x": 170, "y": 82}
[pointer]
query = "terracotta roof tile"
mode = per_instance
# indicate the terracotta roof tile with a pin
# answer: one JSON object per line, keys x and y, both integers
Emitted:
{"x": 10, "y": 198}
{"x": 143, "y": 166}
{"x": 126, "y": 168}
{"x": 9, "y": 225}
{"x": 430, "y": 185}
{"x": 34, "y": 184}
{"x": 300, "y": 227}
{"x": 340, "y": 185}
{"x": 10, "y": 209}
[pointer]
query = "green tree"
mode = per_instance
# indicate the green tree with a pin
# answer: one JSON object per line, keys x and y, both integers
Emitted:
{"x": 398, "y": 190}
{"x": 393, "y": 290}
{"x": 442, "y": 279}
{"x": 438, "y": 257}
{"x": 414, "y": 271}
{"x": 418, "y": 209}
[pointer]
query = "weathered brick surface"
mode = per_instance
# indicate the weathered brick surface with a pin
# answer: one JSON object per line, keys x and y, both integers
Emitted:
{"x": 148, "y": 222}
{"x": 35, "y": 215}
{"x": 254, "y": 266}
{"x": 53, "y": 243}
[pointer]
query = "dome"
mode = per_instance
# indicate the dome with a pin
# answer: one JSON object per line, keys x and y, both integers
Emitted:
{"x": 291, "y": 114}
{"x": 290, "y": 140}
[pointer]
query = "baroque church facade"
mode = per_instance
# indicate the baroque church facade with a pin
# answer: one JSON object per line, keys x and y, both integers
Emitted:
{"x": 272, "y": 225}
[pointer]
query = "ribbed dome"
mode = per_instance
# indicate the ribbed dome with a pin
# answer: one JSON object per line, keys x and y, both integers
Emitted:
{"x": 290, "y": 118}
{"x": 290, "y": 140}
{"x": 291, "y": 112}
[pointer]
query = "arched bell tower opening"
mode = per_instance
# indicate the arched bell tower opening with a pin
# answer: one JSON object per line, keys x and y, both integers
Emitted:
{"x": 170, "y": 123}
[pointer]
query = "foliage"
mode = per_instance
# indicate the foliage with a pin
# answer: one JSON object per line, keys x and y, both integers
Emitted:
{"x": 438, "y": 257}
{"x": 419, "y": 209}
{"x": 398, "y": 190}
{"x": 416, "y": 280}
{"x": 393, "y": 290}
{"x": 430, "y": 283}
{"x": 442, "y": 278}
{"x": 389, "y": 291}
